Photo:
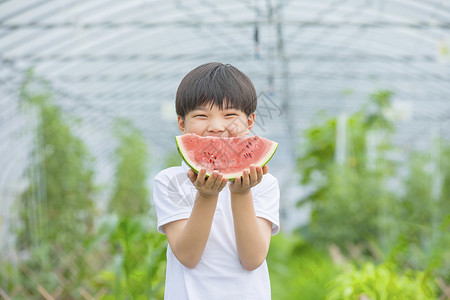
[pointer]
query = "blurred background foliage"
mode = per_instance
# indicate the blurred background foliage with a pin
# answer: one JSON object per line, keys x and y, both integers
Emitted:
{"x": 379, "y": 225}
{"x": 132, "y": 158}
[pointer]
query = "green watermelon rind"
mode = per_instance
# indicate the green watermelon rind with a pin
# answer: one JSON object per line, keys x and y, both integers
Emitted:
{"x": 232, "y": 176}
{"x": 185, "y": 158}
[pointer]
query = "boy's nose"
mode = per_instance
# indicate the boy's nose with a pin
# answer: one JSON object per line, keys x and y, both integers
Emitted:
{"x": 216, "y": 126}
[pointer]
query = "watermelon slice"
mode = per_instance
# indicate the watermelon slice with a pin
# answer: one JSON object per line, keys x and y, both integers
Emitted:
{"x": 229, "y": 156}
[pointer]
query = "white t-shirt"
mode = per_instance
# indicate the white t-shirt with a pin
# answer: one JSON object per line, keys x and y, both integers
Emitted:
{"x": 219, "y": 273}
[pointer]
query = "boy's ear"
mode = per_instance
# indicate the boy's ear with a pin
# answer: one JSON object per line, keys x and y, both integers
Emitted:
{"x": 250, "y": 123}
{"x": 181, "y": 124}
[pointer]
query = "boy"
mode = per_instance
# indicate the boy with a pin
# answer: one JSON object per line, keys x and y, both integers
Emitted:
{"x": 218, "y": 232}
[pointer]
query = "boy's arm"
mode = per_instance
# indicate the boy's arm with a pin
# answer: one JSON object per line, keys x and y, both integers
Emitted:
{"x": 252, "y": 233}
{"x": 188, "y": 237}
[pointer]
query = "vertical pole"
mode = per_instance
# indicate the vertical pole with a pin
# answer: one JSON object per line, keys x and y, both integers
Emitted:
{"x": 436, "y": 180}
{"x": 285, "y": 84}
{"x": 280, "y": 64}
{"x": 371, "y": 149}
{"x": 340, "y": 152}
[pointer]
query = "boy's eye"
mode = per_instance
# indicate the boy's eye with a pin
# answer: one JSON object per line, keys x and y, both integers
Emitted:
{"x": 201, "y": 116}
{"x": 231, "y": 115}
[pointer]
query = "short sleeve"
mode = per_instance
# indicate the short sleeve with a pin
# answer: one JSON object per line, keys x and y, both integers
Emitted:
{"x": 172, "y": 196}
{"x": 266, "y": 200}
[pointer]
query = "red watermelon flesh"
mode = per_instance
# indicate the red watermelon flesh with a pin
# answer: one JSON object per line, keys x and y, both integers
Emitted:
{"x": 229, "y": 156}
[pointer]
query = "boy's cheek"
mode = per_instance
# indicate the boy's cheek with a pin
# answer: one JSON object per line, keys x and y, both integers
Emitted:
{"x": 235, "y": 129}
{"x": 239, "y": 130}
{"x": 232, "y": 129}
{"x": 240, "y": 127}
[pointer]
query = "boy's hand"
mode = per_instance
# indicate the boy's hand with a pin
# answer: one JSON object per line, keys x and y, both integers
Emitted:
{"x": 210, "y": 186}
{"x": 249, "y": 179}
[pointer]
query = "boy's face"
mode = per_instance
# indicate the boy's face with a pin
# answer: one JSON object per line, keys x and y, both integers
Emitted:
{"x": 211, "y": 121}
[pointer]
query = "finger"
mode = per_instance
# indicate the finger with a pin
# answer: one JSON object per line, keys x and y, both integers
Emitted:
{"x": 253, "y": 175}
{"x": 218, "y": 182}
{"x": 211, "y": 180}
{"x": 237, "y": 181}
{"x": 223, "y": 184}
{"x": 265, "y": 169}
{"x": 201, "y": 176}
{"x": 259, "y": 173}
{"x": 245, "y": 178}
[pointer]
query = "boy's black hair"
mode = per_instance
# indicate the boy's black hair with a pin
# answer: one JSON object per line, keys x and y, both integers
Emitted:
{"x": 215, "y": 84}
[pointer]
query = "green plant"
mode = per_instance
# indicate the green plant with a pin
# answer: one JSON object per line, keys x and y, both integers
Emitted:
{"x": 424, "y": 218}
{"x": 352, "y": 209}
{"x": 352, "y": 204}
{"x": 56, "y": 210}
{"x": 57, "y": 207}
{"x": 130, "y": 195}
{"x": 62, "y": 254}
{"x": 349, "y": 202}
{"x": 381, "y": 282}
{"x": 318, "y": 148}
{"x": 137, "y": 269}
{"x": 137, "y": 250}
{"x": 298, "y": 270}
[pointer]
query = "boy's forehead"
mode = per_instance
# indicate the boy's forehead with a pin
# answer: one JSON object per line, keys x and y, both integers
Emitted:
{"x": 209, "y": 106}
